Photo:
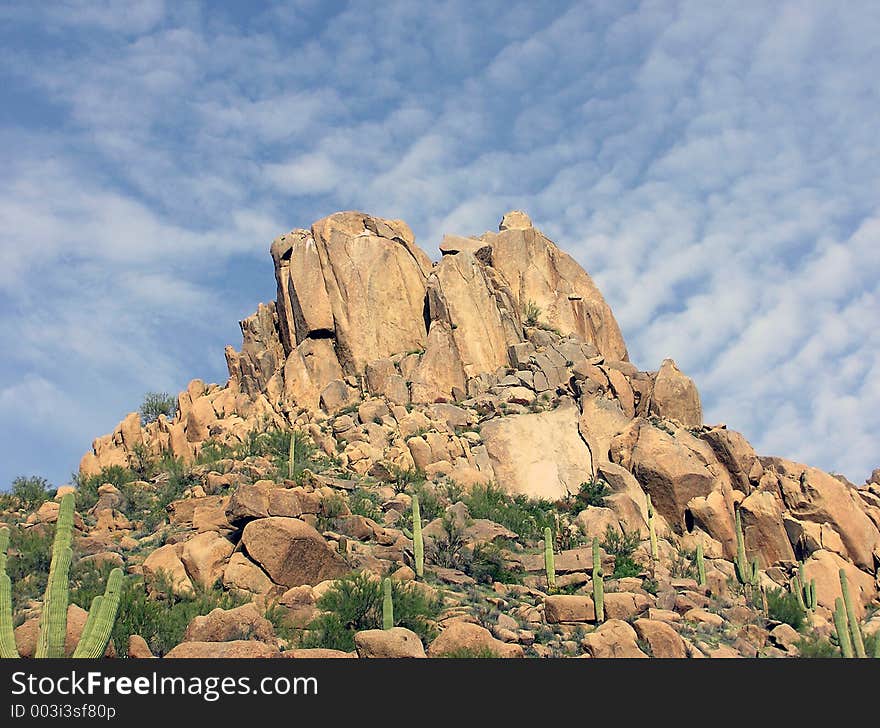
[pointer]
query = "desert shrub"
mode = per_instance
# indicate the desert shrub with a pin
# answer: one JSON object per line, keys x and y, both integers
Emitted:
{"x": 622, "y": 545}
{"x": 531, "y": 313}
{"x": 30, "y": 492}
{"x": 155, "y": 404}
{"x": 87, "y": 580}
{"x": 274, "y": 443}
{"x": 363, "y": 502}
{"x": 684, "y": 565}
{"x": 488, "y": 565}
{"x": 470, "y": 653}
{"x": 783, "y": 606}
{"x": 523, "y": 516}
{"x": 87, "y": 487}
{"x": 402, "y": 478}
{"x": 29, "y": 557}
{"x": 590, "y": 493}
{"x": 213, "y": 451}
{"x": 449, "y": 549}
{"x": 354, "y": 603}
{"x": 162, "y": 621}
{"x": 815, "y": 647}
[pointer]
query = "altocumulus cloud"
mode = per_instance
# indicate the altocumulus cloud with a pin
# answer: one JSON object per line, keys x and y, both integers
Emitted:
{"x": 714, "y": 168}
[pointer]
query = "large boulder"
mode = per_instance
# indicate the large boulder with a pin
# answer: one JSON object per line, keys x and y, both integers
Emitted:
{"x": 669, "y": 470}
{"x": 291, "y": 552}
{"x": 614, "y": 638}
{"x": 464, "y": 638}
{"x": 539, "y": 455}
{"x": 394, "y": 642}
{"x": 813, "y": 495}
{"x": 675, "y": 396}
{"x": 569, "y": 608}
{"x": 825, "y": 566}
{"x": 204, "y": 557}
{"x": 226, "y": 625}
{"x": 164, "y": 568}
{"x": 663, "y": 640}
{"x": 763, "y": 531}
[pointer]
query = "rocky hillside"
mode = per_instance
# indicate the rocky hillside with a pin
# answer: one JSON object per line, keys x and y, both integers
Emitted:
{"x": 494, "y": 385}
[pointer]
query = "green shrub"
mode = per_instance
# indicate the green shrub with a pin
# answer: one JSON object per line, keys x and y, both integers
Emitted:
{"x": 213, "y": 451}
{"x": 403, "y": 478}
{"x": 162, "y": 621}
{"x": 816, "y": 647}
{"x": 87, "y": 488}
{"x": 29, "y": 557}
{"x": 354, "y": 603}
{"x": 363, "y": 502}
{"x": 622, "y": 545}
{"x": 31, "y": 491}
{"x": 489, "y": 564}
{"x": 531, "y": 313}
{"x": 591, "y": 493}
{"x": 525, "y": 517}
{"x": 155, "y": 404}
{"x": 783, "y": 606}
{"x": 470, "y": 653}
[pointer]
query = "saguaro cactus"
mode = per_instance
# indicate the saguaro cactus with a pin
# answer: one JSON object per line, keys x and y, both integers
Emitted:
{"x": 102, "y": 615}
{"x": 549, "y": 563}
{"x": 7, "y": 636}
{"x": 651, "y": 531}
{"x": 841, "y": 627}
{"x": 418, "y": 543}
{"x": 805, "y": 592}
{"x": 598, "y": 583}
{"x": 701, "y": 566}
{"x": 746, "y": 574}
{"x": 291, "y": 456}
{"x": 387, "y": 606}
{"x": 852, "y": 620}
{"x": 53, "y": 618}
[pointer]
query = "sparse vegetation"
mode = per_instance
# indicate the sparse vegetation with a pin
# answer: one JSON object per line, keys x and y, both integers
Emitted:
{"x": 783, "y": 606}
{"x": 354, "y": 603}
{"x": 30, "y": 492}
{"x": 156, "y": 404}
{"x": 622, "y": 545}
{"x": 531, "y": 313}
{"x": 525, "y": 517}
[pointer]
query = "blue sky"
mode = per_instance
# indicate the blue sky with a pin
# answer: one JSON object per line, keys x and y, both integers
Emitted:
{"x": 714, "y": 166}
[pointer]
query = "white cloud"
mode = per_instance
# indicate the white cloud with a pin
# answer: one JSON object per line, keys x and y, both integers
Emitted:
{"x": 712, "y": 167}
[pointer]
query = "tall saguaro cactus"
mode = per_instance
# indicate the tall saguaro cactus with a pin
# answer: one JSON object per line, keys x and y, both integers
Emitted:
{"x": 851, "y": 618}
{"x": 701, "y": 566}
{"x": 7, "y": 636}
{"x": 652, "y": 532}
{"x": 418, "y": 543}
{"x": 804, "y": 591}
{"x": 598, "y": 583}
{"x": 387, "y": 605}
{"x": 53, "y": 619}
{"x": 291, "y": 456}
{"x": 549, "y": 563}
{"x": 746, "y": 574}
{"x": 841, "y": 627}
{"x": 102, "y": 615}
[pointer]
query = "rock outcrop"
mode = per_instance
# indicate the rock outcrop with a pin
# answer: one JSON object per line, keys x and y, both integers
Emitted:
{"x": 500, "y": 363}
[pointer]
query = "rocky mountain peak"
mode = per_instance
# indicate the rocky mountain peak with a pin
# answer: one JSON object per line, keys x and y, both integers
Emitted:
{"x": 500, "y": 363}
